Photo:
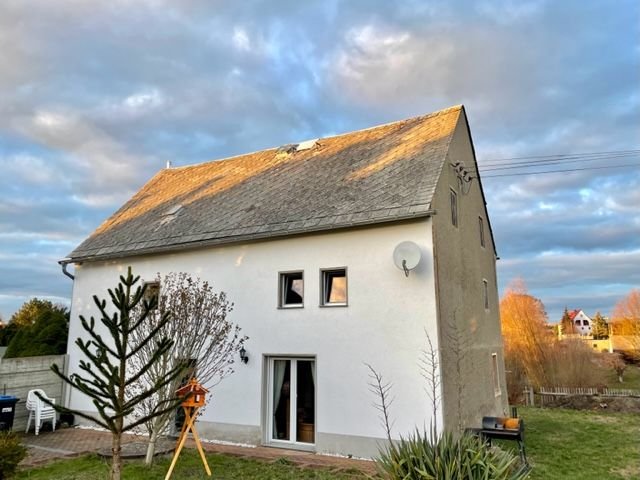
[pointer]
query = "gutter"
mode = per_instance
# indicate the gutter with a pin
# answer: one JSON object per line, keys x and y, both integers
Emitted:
{"x": 63, "y": 263}
{"x": 241, "y": 239}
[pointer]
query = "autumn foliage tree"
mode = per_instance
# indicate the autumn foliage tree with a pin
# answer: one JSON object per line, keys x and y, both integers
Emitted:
{"x": 626, "y": 321}
{"x": 533, "y": 355}
{"x": 526, "y": 337}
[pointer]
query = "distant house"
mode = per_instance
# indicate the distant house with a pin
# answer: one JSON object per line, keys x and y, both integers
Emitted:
{"x": 302, "y": 239}
{"x": 581, "y": 322}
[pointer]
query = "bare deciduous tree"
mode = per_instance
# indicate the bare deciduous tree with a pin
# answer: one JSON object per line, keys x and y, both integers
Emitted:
{"x": 382, "y": 390}
{"x": 429, "y": 364}
{"x": 204, "y": 339}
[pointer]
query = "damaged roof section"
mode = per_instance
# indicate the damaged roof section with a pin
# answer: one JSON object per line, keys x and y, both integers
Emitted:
{"x": 376, "y": 175}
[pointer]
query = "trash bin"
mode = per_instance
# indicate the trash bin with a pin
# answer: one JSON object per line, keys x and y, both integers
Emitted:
{"x": 7, "y": 411}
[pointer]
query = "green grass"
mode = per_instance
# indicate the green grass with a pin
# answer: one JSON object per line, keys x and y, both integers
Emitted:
{"x": 631, "y": 378}
{"x": 189, "y": 467}
{"x": 582, "y": 445}
{"x": 561, "y": 444}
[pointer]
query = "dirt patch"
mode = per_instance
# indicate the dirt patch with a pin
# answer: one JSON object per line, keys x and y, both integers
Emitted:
{"x": 596, "y": 403}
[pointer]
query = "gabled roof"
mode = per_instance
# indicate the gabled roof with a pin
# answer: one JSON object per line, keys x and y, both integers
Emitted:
{"x": 380, "y": 174}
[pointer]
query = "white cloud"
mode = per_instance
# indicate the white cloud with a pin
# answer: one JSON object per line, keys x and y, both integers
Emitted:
{"x": 241, "y": 39}
{"x": 144, "y": 102}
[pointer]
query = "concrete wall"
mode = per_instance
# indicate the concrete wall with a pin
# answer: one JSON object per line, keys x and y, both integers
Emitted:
{"x": 19, "y": 375}
{"x": 384, "y": 324}
{"x": 461, "y": 266}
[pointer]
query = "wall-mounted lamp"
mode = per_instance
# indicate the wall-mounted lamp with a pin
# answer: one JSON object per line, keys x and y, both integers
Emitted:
{"x": 244, "y": 358}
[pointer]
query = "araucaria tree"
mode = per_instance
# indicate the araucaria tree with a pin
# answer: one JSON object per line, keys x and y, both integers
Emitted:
{"x": 203, "y": 337}
{"x": 108, "y": 374}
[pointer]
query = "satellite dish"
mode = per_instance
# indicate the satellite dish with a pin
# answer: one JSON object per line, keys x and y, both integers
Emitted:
{"x": 406, "y": 256}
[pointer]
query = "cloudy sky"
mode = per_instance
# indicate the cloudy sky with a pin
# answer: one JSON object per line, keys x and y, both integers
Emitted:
{"x": 95, "y": 97}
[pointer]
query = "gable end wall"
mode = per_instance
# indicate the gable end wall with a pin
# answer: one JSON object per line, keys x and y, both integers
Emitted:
{"x": 468, "y": 333}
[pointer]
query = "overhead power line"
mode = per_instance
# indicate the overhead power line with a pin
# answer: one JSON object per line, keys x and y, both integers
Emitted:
{"x": 523, "y": 165}
{"x": 540, "y": 162}
{"x": 523, "y": 174}
{"x": 564, "y": 155}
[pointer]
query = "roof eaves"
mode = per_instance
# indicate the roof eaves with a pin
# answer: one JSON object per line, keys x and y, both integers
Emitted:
{"x": 262, "y": 234}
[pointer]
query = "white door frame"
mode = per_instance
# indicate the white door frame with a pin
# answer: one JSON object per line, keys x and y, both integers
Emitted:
{"x": 292, "y": 443}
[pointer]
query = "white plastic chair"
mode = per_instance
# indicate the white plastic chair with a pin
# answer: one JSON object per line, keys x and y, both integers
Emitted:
{"x": 40, "y": 411}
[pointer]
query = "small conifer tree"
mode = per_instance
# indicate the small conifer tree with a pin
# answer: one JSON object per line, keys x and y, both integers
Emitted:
{"x": 566, "y": 322}
{"x": 108, "y": 373}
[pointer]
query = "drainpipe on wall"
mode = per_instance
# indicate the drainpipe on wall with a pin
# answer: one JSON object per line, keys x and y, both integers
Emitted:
{"x": 66, "y": 391}
{"x": 63, "y": 263}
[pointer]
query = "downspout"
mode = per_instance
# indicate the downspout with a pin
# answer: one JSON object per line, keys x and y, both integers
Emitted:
{"x": 63, "y": 263}
{"x": 66, "y": 391}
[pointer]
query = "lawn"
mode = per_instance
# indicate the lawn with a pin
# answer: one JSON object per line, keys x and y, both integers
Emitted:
{"x": 582, "y": 445}
{"x": 631, "y": 378}
{"x": 561, "y": 444}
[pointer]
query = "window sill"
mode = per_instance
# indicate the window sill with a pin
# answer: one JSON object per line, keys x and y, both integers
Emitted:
{"x": 331, "y": 305}
{"x": 290, "y": 307}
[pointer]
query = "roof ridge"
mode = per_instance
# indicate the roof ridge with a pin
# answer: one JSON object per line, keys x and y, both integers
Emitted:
{"x": 444, "y": 111}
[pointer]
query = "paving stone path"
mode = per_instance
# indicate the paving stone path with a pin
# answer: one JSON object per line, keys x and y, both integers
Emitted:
{"x": 72, "y": 442}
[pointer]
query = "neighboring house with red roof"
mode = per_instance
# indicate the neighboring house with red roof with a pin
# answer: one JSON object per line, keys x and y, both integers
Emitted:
{"x": 302, "y": 240}
{"x": 581, "y": 322}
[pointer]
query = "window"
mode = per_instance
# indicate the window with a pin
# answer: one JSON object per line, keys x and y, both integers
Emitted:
{"x": 585, "y": 323}
{"x": 333, "y": 287}
{"x": 481, "y": 226}
{"x": 454, "y": 208}
{"x": 495, "y": 373}
{"x": 291, "y": 290}
{"x": 485, "y": 287}
{"x": 152, "y": 293}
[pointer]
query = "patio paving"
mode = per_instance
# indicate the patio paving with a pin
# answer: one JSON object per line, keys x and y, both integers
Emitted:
{"x": 72, "y": 442}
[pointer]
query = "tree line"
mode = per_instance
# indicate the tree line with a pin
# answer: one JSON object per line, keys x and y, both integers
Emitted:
{"x": 535, "y": 356}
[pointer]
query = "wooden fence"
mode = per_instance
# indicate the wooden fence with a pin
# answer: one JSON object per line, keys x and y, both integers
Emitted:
{"x": 553, "y": 392}
{"x": 19, "y": 375}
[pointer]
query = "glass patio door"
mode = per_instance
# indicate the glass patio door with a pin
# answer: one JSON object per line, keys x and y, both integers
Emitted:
{"x": 291, "y": 416}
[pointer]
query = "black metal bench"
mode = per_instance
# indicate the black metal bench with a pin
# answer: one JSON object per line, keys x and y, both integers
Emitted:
{"x": 503, "y": 428}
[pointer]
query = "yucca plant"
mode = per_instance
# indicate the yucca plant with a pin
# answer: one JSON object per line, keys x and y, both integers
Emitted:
{"x": 444, "y": 457}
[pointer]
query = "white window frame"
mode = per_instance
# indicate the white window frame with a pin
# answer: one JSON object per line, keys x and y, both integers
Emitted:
{"x": 323, "y": 272}
{"x": 281, "y": 290}
{"x": 485, "y": 294}
{"x": 152, "y": 283}
{"x": 293, "y": 385}
{"x": 495, "y": 373}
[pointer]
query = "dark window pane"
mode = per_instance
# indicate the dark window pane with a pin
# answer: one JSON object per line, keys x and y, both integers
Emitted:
{"x": 454, "y": 208}
{"x": 292, "y": 288}
{"x": 335, "y": 286}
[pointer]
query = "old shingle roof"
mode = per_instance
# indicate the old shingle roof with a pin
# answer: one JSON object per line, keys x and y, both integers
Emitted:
{"x": 369, "y": 176}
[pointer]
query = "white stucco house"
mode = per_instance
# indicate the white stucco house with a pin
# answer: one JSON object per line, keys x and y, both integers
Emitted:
{"x": 581, "y": 322}
{"x": 301, "y": 238}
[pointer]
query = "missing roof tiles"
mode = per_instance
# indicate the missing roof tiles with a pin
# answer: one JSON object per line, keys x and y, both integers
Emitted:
{"x": 307, "y": 145}
{"x": 173, "y": 210}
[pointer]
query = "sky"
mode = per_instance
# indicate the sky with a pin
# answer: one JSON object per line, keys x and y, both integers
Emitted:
{"x": 95, "y": 97}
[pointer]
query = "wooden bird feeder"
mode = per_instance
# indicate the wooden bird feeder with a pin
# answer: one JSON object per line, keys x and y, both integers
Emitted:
{"x": 194, "y": 398}
{"x": 194, "y": 394}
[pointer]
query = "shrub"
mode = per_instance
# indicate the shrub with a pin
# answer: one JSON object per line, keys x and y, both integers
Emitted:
{"x": 448, "y": 458}
{"x": 11, "y": 454}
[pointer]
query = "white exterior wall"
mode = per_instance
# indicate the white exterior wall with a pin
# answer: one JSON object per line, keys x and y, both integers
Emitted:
{"x": 582, "y": 329}
{"x": 384, "y": 325}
